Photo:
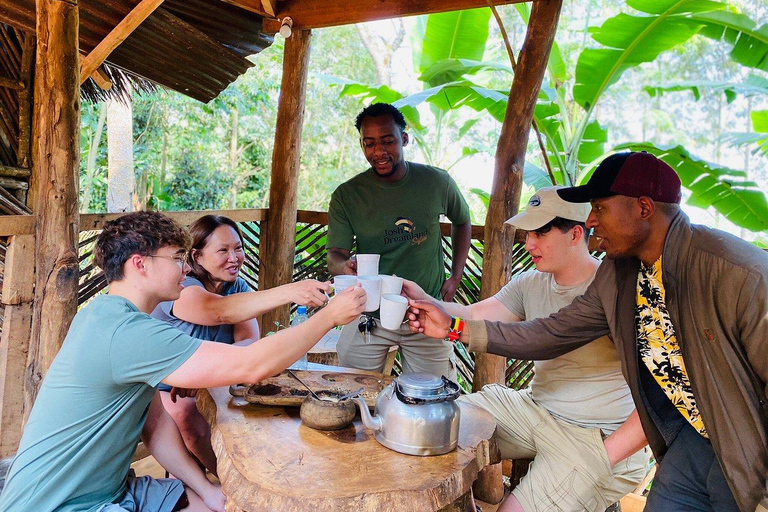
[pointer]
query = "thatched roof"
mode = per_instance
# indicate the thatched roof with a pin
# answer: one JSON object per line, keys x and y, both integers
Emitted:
{"x": 196, "y": 47}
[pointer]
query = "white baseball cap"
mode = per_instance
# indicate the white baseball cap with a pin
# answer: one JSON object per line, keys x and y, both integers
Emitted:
{"x": 544, "y": 205}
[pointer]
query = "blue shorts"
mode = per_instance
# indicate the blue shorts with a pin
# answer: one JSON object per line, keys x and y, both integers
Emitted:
{"x": 147, "y": 494}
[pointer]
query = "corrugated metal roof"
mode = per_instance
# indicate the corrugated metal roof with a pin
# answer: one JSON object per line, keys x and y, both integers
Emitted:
{"x": 196, "y": 47}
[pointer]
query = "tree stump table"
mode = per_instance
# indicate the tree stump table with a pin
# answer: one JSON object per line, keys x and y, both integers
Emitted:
{"x": 268, "y": 460}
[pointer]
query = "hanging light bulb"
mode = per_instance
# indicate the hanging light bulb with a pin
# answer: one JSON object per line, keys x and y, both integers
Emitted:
{"x": 285, "y": 27}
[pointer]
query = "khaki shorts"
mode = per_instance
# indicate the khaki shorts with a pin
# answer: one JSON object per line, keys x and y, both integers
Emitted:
{"x": 147, "y": 494}
{"x": 418, "y": 353}
{"x": 570, "y": 469}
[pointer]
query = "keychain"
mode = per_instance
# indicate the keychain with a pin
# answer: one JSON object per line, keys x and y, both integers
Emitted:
{"x": 365, "y": 326}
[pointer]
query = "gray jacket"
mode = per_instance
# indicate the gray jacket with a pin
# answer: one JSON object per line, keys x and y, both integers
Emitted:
{"x": 717, "y": 295}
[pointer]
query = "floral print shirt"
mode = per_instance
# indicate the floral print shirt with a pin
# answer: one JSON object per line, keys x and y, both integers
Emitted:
{"x": 658, "y": 345}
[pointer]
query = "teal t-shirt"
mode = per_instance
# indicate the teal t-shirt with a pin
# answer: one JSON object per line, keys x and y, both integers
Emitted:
{"x": 77, "y": 446}
{"x": 400, "y": 221}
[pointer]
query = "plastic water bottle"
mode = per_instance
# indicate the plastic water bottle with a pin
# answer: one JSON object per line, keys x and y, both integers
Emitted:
{"x": 300, "y": 317}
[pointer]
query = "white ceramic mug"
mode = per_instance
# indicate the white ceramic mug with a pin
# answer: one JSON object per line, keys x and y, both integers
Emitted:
{"x": 391, "y": 284}
{"x": 372, "y": 287}
{"x": 342, "y": 282}
{"x": 393, "y": 308}
{"x": 367, "y": 264}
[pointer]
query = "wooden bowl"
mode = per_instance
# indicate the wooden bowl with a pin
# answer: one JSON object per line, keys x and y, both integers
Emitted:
{"x": 328, "y": 413}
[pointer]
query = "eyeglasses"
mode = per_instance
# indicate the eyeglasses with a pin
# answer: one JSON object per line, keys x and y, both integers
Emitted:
{"x": 180, "y": 259}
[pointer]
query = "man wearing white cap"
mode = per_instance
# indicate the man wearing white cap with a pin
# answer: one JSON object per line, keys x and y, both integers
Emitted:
{"x": 577, "y": 418}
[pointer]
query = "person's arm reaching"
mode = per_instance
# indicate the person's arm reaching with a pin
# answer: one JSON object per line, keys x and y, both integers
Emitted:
{"x": 340, "y": 262}
{"x": 217, "y": 364}
{"x": 162, "y": 438}
{"x": 199, "y": 306}
{"x": 461, "y": 237}
{"x": 539, "y": 339}
{"x": 489, "y": 309}
{"x": 626, "y": 440}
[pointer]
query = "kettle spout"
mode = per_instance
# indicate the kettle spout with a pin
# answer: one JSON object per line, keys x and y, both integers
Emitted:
{"x": 371, "y": 422}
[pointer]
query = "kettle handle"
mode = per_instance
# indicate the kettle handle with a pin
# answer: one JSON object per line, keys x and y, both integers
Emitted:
{"x": 452, "y": 389}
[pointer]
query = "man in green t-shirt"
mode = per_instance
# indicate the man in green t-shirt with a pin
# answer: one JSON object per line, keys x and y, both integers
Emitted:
{"x": 393, "y": 209}
{"x": 98, "y": 397}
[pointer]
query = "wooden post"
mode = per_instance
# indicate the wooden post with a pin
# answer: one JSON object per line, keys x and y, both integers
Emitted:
{"x": 279, "y": 241}
{"x": 505, "y": 193}
{"x": 17, "y": 297}
{"x": 55, "y": 166}
{"x": 25, "y": 101}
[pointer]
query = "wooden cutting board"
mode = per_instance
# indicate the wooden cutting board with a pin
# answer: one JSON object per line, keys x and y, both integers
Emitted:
{"x": 284, "y": 390}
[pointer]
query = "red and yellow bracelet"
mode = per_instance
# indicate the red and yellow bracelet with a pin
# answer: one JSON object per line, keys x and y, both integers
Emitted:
{"x": 457, "y": 326}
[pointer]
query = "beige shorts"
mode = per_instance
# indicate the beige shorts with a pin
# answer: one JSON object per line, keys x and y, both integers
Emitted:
{"x": 570, "y": 469}
{"x": 418, "y": 353}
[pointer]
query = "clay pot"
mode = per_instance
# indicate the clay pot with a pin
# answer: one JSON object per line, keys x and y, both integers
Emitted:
{"x": 327, "y": 414}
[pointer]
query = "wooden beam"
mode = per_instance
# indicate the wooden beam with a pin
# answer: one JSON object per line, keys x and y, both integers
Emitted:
{"x": 55, "y": 169}
{"x": 96, "y": 221}
{"x": 13, "y": 183}
{"x": 10, "y": 83}
{"x": 269, "y": 6}
{"x": 14, "y": 352}
{"x": 102, "y": 79}
{"x": 17, "y": 300}
{"x": 14, "y": 172}
{"x": 118, "y": 34}
{"x": 279, "y": 241}
{"x": 309, "y": 14}
{"x": 17, "y": 225}
{"x": 254, "y": 6}
{"x": 505, "y": 193}
{"x": 23, "y": 155}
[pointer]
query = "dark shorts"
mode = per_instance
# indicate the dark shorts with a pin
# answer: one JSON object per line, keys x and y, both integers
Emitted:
{"x": 690, "y": 478}
{"x": 147, "y": 494}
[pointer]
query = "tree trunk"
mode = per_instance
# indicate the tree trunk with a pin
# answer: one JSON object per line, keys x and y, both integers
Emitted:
{"x": 279, "y": 239}
{"x": 121, "y": 182}
{"x": 233, "y": 157}
{"x": 55, "y": 164}
{"x": 505, "y": 192}
{"x": 90, "y": 163}
{"x": 381, "y": 50}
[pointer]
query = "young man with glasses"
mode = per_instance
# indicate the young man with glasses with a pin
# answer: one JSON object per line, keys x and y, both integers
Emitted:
{"x": 99, "y": 395}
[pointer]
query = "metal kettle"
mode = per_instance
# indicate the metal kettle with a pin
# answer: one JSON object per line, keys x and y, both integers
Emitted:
{"x": 415, "y": 414}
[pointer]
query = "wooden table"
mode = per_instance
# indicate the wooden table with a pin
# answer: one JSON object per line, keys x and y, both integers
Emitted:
{"x": 269, "y": 461}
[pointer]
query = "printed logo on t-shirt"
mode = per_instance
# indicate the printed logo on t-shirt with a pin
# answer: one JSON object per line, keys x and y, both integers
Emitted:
{"x": 404, "y": 231}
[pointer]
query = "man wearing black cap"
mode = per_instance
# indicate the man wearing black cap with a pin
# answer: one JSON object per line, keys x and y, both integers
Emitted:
{"x": 687, "y": 307}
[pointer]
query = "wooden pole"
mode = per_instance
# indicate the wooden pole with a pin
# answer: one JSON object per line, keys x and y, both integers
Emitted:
{"x": 55, "y": 165}
{"x": 17, "y": 298}
{"x": 278, "y": 244}
{"x": 505, "y": 193}
{"x": 25, "y": 100}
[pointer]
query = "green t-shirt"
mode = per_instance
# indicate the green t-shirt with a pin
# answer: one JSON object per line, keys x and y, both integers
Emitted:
{"x": 400, "y": 221}
{"x": 87, "y": 420}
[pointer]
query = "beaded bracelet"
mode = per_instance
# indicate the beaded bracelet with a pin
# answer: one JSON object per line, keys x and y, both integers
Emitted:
{"x": 457, "y": 326}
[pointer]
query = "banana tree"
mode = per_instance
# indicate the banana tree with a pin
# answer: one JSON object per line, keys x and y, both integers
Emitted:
{"x": 564, "y": 114}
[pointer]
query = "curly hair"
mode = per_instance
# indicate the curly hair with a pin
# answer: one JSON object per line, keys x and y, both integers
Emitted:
{"x": 141, "y": 233}
{"x": 380, "y": 109}
{"x": 201, "y": 230}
